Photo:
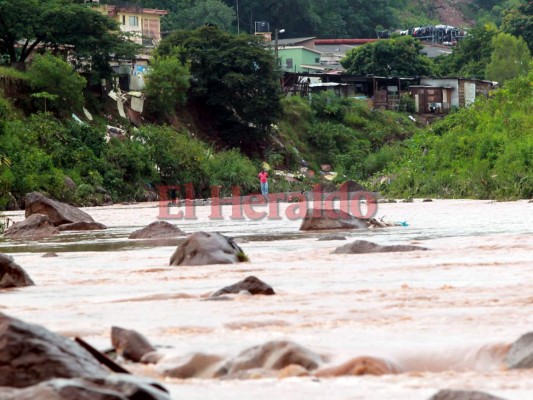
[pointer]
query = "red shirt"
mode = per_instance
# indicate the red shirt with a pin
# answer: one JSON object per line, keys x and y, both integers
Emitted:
{"x": 263, "y": 176}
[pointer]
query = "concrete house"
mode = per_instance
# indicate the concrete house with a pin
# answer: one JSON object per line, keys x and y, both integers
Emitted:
{"x": 143, "y": 23}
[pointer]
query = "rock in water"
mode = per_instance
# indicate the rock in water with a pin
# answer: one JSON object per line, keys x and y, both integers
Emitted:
{"x": 30, "y": 354}
{"x": 361, "y": 366}
{"x": 36, "y": 226}
{"x": 59, "y": 213}
{"x": 113, "y": 387}
{"x": 363, "y": 246}
{"x": 196, "y": 365}
{"x": 274, "y": 355}
{"x": 203, "y": 248}
{"x": 157, "y": 230}
{"x": 12, "y": 274}
{"x": 251, "y": 284}
{"x": 521, "y": 353}
{"x": 447, "y": 394}
{"x": 319, "y": 219}
{"x": 130, "y": 344}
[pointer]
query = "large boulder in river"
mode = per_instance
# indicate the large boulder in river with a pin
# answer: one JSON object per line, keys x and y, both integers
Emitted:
{"x": 250, "y": 284}
{"x": 157, "y": 230}
{"x": 36, "y": 226}
{"x": 113, "y": 387}
{"x": 321, "y": 219}
{"x": 364, "y": 246}
{"x": 11, "y": 274}
{"x": 30, "y": 354}
{"x": 520, "y": 354}
{"x": 59, "y": 213}
{"x": 448, "y": 394}
{"x": 202, "y": 248}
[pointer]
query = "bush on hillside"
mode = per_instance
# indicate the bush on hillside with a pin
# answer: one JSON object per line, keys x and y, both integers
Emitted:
{"x": 484, "y": 151}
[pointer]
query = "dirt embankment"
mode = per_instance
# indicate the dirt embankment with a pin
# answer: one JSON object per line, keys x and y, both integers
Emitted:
{"x": 451, "y": 12}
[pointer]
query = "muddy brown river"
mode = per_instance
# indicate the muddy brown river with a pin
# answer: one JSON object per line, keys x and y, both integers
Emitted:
{"x": 443, "y": 316}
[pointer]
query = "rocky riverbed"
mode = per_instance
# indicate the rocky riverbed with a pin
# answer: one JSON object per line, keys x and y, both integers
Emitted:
{"x": 443, "y": 318}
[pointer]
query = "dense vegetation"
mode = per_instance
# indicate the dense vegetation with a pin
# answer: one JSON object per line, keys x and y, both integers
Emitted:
{"x": 215, "y": 113}
{"x": 484, "y": 151}
{"x": 325, "y": 19}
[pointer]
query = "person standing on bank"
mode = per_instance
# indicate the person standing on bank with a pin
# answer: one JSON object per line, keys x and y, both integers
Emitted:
{"x": 263, "y": 178}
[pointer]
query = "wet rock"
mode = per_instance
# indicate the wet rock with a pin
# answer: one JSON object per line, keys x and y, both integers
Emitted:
{"x": 199, "y": 365}
{"x": 274, "y": 355}
{"x": 363, "y": 246}
{"x": 158, "y": 230}
{"x": 82, "y": 226}
{"x": 36, "y": 226}
{"x": 49, "y": 254}
{"x": 333, "y": 236}
{"x": 361, "y": 366}
{"x": 113, "y": 387}
{"x": 251, "y": 284}
{"x": 202, "y": 248}
{"x": 12, "y": 274}
{"x": 447, "y": 394}
{"x": 427, "y": 200}
{"x": 130, "y": 344}
{"x": 30, "y": 354}
{"x": 59, "y": 213}
{"x": 520, "y": 354}
{"x": 319, "y": 219}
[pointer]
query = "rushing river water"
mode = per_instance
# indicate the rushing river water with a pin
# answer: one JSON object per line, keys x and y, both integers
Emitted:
{"x": 436, "y": 314}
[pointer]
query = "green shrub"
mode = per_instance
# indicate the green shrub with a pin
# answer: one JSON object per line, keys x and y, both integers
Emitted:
{"x": 52, "y": 75}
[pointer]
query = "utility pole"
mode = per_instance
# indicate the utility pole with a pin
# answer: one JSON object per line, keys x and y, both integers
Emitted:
{"x": 276, "y": 34}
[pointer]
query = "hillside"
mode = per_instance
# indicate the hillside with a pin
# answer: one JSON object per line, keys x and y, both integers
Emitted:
{"x": 451, "y": 12}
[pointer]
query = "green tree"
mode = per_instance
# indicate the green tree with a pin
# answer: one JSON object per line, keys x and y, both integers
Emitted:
{"x": 167, "y": 83}
{"x": 471, "y": 56}
{"x": 57, "y": 77}
{"x": 202, "y": 12}
{"x": 234, "y": 77}
{"x": 62, "y": 26}
{"x": 518, "y": 21}
{"x": 394, "y": 57}
{"x": 510, "y": 58}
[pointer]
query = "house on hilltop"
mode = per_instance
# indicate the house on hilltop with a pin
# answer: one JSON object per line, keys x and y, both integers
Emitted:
{"x": 144, "y": 24}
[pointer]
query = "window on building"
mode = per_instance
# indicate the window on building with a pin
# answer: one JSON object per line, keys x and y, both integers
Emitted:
{"x": 134, "y": 21}
{"x": 123, "y": 20}
{"x": 289, "y": 62}
{"x": 317, "y": 60}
